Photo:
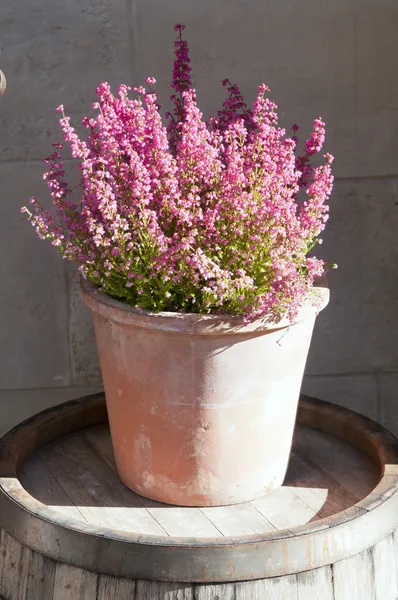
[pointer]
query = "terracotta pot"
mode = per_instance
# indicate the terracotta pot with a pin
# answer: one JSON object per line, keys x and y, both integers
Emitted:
{"x": 201, "y": 408}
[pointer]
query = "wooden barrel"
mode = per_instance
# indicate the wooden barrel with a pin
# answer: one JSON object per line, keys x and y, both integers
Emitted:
{"x": 70, "y": 530}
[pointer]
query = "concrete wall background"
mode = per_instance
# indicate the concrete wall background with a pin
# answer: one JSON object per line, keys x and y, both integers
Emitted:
{"x": 333, "y": 58}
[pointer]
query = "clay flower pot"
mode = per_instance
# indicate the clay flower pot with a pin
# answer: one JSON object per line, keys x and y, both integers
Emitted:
{"x": 201, "y": 408}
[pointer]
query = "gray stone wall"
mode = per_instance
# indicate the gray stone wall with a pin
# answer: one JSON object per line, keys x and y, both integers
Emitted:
{"x": 336, "y": 59}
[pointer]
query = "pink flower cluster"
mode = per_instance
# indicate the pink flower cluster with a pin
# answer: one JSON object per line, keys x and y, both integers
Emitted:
{"x": 190, "y": 216}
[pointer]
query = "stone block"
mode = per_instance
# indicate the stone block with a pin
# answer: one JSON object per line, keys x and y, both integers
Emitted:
{"x": 358, "y": 331}
{"x": 348, "y": 79}
{"x": 57, "y": 53}
{"x": 84, "y": 356}
{"x": 34, "y": 346}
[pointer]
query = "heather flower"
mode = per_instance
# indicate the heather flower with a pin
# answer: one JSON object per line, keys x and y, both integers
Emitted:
{"x": 193, "y": 216}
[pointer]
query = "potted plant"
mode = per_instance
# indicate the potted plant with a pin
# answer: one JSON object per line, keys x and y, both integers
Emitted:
{"x": 192, "y": 239}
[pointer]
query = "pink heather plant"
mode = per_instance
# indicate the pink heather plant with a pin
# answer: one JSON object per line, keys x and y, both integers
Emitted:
{"x": 194, "y": 216}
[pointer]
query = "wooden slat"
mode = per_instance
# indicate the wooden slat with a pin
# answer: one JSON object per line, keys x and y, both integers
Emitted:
{"x": 2, "y": 554}
{"x": 14, "y": 569}
{"x": 180, "y": 521}
{"x": 115, "y": 588}
{"x": 284, "y": 509}
{"x": 318, "y": 488}
{"x": 154, "y": 590}
{"x": 315, "y": 585}
{"x": 350, "y": 467}
{"x": 99, "y": 437}
{"x": 95, "y": 488}
{"x": 71, "y": 583}
{"x": 38, "y": 480}
{"x": 41, "y": 577}
{"x": 384, "y": 569}
{"x": 215, "y": 592}
{"x": 242, "y": 519}
{"x": 353, "y": 578}
{"x": 395, "y": 547}
{"x": 277, "y": 588}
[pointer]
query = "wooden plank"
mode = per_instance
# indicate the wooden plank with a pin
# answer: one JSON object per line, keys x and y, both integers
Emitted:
{"x": 41, "y": 577}
{"x": 395, "y": 546}
{"x": 42, "y": 485}
{"x": 353, "y": 578}
{"x": 315, "y": 585}
{"x": 319, "y": 488}
{"x": 159, "y": 590}
{"x": 95, "y": 488}
{"x": 276, "y": 588}
{"x": 115, "y": 588}
{"x": 220, "y": 591}
{"x": 15, "y": 568}
{"x": 3, "y": 560}
{"x": 71, "y": 583}
{"x": 2, "y": 554}
{"x": 284, "y": 509}
{"x": 181, "y": 521}
{"x": 313, "y": 486}
{"x": 385, "y": 573}
{"x": 99, "y": 437}
{"x": 360, "y": 473}
{"x": 241, "y": 519}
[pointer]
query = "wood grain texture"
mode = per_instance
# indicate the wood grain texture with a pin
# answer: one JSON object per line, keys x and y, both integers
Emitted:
{"x": 276, "y": 588}
{"x": 354, "y": 578}
{"x": 360, "y": 473}
{"x": 95, "y": 489}
{"x": 71, "y": 583}
{"x": 310, "y": 480}
{"x": 115, "y": 588}
{"x": 395, "y": 547}
{"x": 219, "y": 591}
{"x": 41, "y": 577}
{"x": 35, "y": 474}
{"x": 242, "y": 519}
{"x": 99, "y": 438}
{"x": 315, "y": 585}
{"x": 284, "y": 509}
{"x": 14, "y": 567}
{"x": 384, "y": 569}
{"x": 151, "y": 590}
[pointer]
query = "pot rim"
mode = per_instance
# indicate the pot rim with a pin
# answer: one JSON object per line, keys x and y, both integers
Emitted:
{"x": 124, "y": 314}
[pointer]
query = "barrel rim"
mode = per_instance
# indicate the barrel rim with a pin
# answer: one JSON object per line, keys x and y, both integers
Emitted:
{"x": 50, "y": 533}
